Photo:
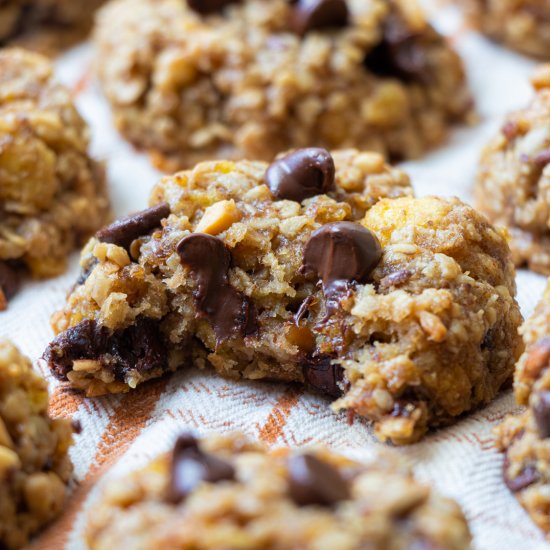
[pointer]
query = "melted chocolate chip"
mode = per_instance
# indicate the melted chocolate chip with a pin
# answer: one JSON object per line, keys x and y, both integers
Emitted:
{"x": 229, "y": 311}
{"x": 323, "y": 376}
{"x": 302, "y": 174}
{"x": 340, "y": 253}
{"x": 312, "y": 481}
{"x": 208, "y": 7}
{"x": 309, "y": 15}
{"x": 191, "y": 466}
{"x": 140, "y": 347}
{"x": 540, "y": 404}
{"x": 9, "y": 281}
{"x": 400, "y": 53}
{"x": 124, "y": 231}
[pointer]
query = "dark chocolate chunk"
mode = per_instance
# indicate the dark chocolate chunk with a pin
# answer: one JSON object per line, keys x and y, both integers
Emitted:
{"x": 124, "y": 231}
{"x": 191, "y": 466}
{"x": 540, "y": 404}
{"x": 9, "y": 281}
{"x": 301, "y": 174}
{"x": 323, "y": 376}
{"x": 400, "y": 54}
{"x": 229, "y": 311}
{"x": 309, "y": 15}
{"x": 140, "y": 347}
{"x": 208, "y": 7}
{"x": 340, "y": 253}
{"x": 313, "y": 481}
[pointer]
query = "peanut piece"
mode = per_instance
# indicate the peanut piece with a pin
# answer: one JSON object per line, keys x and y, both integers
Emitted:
{"x": 219, "y": 217}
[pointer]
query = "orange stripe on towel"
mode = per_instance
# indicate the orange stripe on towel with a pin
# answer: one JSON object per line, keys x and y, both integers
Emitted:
{"x": 64, "y": 402}
{"x": 277, "y": 419}
{"x": 127, "y": 421}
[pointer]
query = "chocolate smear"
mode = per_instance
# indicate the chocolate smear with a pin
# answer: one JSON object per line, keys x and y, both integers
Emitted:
{"x": 340, "y": 253}
{"x": 230, "y": 312}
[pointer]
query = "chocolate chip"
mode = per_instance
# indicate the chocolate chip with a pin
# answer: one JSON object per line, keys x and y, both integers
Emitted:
{"x": 540, "y": 405}
{"x": 400, "y": 53}
{"x": 140, "y": 347}
{"x": 526, "y": 477}
{"x": 124, "y": 231}
{"x": 313, "y": 481}
{"x": 229, "y": 311}
{"x": 301, "y": 174}
{"x": 538, "y": 358}
{"x": 323, "y": 376}
{"x": 309, "y": 15}
{"x": 340, "y": 253}
{"x": 208, "y": 7}
{"x": 10, "y": 278}
{"x": 191, "y": 466}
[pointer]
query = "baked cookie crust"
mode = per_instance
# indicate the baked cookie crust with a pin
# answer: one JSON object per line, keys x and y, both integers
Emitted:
{"x": 244, "y": 82}
{"x": 400, "y": 309}
{"x": 523, "y": 25}
{"x": 513, "y": 181}
{"x": 53, "y": 196}
{"x": 250, "y": 498}
{"x": 34, "y": 464}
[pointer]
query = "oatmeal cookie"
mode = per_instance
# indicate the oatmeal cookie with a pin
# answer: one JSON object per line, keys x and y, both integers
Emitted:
{"x": 34, "y": 464}
{"x": 525, "y": 439}
{"x": 45, "y": 25}
{"x": 401, "y": 309}
{"x": 513, "y": 182}
{"x": 190, "y": 82}
{"x": 52, "y": 195}
{"x": 229, "y": 492}
{"x": 523, "y": 25}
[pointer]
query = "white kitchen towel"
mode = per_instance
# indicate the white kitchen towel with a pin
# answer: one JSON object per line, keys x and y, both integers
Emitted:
{"x": 120, "y": 432}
